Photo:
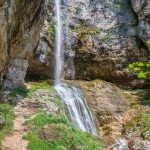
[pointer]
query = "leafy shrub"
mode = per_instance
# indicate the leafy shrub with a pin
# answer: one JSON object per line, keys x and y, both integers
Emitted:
{"x": 51, "y": 29}
{"x": 142, "y": 68}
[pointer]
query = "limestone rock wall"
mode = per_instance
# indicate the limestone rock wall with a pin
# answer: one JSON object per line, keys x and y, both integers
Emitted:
{"x": 41, "y": 66}
{"x": 20, "y": 25}
{"x": 142, "y": 9}
{"x": 101, "y": 38}
{"x": 105, "y": 37}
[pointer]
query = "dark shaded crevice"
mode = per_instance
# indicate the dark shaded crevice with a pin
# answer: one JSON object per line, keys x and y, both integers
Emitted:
{"x": 142, "y": 45}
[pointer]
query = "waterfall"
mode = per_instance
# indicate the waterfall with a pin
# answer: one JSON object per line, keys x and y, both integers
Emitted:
{"x": 77, "y": 107}
{"x": 73, "y": 97}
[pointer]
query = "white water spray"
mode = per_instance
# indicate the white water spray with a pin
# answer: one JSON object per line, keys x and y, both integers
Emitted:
{"x": 72, "y": 96}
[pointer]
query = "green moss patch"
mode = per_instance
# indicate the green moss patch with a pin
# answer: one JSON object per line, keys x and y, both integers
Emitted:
{"x": 7, "y": 115}
{"x": 86, "y": 30}
{"x": 141, "y": 123}
{"x": 32, "y": 87}
{"x": 49, "y": 132}
{"x": 51, "y": 29}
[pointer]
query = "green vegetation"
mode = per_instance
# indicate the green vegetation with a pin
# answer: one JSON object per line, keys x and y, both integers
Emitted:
{"x": 6, "y": 116}
{"x": 117, "y": 4}
{"x": 43, "y": 118}
{"x": 106, "y": 37}
{"x": 148, "y": 43}
{"x": 51, "y": 29}
{"x": 147, "y": 123}
{"x": 83, "y": 32}
{"x": 146, "y": 101}
{"x": 142, "y": 68}
{"x": 49, "y": 132}
{"x": 33, "y": 87}
{"x": 19, "y": 91}
{"x": 140, "y": 122}
{"x": 86, "y": 30}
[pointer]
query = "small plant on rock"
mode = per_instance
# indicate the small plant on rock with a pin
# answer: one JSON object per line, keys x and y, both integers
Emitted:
{"x": 142, "y": 68}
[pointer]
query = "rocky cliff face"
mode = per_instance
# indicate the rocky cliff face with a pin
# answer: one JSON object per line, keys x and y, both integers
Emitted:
{"x": 100, "y": 39}
{"x": 118, "y": 113}
{"x": 142, "y": 9}
{"x": 20, "y": 26}
{"x": 106, "y": 36}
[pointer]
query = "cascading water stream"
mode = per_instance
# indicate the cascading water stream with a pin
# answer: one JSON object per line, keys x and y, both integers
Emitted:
{"x": 77, "y": 107}
{"x": 72, "y": 96}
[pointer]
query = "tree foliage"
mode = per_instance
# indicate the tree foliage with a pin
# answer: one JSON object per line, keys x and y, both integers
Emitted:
{"x": 141, "y": 68}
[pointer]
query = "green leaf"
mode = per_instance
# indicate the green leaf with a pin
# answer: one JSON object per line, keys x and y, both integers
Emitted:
{"x": 148, "y": 43}
{"x": 136, "y": 69}
{"x": 131, "y": 66}
{"x": 140, "y": 64}
{"x": 142, "y": 74}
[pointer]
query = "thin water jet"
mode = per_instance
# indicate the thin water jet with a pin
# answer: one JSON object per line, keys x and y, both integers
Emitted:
{"x": 59, "y": 51}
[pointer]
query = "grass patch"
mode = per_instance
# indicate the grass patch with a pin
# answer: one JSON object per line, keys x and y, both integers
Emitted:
{"x": 19, "y": 91}
{"x": 141, "y": 122}
{"x": 147, "y": 123}
{"x": 44, "y": 118}
{"x": 146, "y": 101}
{"x": 33, "y": 87}
{"x": 60, "y": 134}
{"x": 6, "y": 114}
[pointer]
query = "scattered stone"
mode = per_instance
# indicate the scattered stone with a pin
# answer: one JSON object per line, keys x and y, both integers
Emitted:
{"x": 139, "y": 144}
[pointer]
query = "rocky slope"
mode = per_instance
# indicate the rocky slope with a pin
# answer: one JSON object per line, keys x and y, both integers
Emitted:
{"x": 119, "y": 114}
{"x": 41, "y": 122}
{"x": 41, "y": 116}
